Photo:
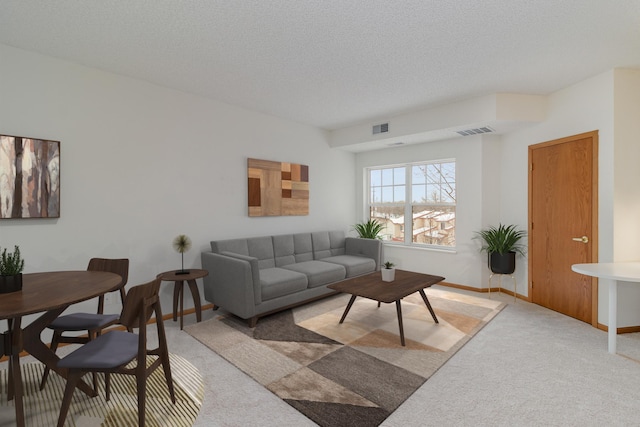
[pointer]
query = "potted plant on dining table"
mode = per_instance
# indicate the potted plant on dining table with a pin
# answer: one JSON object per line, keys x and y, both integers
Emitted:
{"x": 11, "y": 266}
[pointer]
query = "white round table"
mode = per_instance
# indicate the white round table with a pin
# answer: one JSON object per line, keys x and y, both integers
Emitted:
{"x": 618, "y": 272}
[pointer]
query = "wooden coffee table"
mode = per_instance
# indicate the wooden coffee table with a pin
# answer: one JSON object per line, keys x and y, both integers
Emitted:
{"x": 372, "y": 287}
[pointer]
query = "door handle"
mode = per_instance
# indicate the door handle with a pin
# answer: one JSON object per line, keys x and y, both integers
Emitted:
{"x": 583, "y": 239}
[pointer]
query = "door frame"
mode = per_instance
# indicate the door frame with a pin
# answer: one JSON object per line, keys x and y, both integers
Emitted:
{"x": 594, "y": 213}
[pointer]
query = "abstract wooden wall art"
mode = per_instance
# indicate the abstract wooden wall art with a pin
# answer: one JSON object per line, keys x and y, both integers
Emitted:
{"x": 29, "y": 178}
{"x": 277, "y": 188}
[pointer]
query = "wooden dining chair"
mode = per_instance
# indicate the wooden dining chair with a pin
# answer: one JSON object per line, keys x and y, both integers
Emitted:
{"x": 112, "y": 351}
{"x": 93, "y": 323}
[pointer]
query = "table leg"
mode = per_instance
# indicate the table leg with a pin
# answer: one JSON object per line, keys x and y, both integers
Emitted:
{"x": 28, "y": 339}
{"x": 353, "y": 298}
{"x": 15, "y": 391}
{"x": 613, "y": 315}
{"x": 399, "y": 310}
{"x": 195, "y": 293}
{"x": 35, "y": 347}
{"x": 426, "y": 301}
{"x": 176, "y": 298}
{"x": 181, "y": 286}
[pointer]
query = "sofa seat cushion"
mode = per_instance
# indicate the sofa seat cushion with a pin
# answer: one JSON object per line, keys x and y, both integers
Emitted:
{"x": 355, "y": 265}
{"x": 318, "y": 272}
{"x": 276, "y": 282}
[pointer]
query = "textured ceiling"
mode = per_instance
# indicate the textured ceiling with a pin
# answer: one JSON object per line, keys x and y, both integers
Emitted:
{"x": 335, "y": 63}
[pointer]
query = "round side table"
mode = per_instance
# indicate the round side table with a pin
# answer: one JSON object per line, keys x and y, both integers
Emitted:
{"x": 178, "y": 290}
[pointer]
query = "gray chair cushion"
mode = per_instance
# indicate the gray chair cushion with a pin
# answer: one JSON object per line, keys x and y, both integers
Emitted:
{"x": 107, "y": 351}
{"x": 355, "y": 265}
{"x": 276, "y": 282}
{"x": 82, "y": 321}
{"x": 318, "y": 272}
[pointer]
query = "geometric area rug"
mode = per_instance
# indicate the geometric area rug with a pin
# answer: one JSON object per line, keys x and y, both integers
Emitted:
{"x": 355, "y": 373}
{"x": 42, "y": 407}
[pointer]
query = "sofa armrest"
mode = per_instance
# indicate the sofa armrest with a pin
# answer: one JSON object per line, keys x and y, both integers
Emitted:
{"x": 255, "y": 272}
{"x": 230, "y": 283}
{"x": 371, "y": 248}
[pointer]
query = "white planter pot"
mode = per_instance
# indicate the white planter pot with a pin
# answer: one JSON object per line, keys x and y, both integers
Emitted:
{"x": 388, "y": 274}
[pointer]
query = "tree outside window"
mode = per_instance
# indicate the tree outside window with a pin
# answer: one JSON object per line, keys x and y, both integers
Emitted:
{"x": 415, "y": 202}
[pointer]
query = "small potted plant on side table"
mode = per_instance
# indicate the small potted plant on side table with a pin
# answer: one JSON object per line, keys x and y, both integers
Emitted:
{"x": 11, "y": 266}
{"x": 388, "y": 272}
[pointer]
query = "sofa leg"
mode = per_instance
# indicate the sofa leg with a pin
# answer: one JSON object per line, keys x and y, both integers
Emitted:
{"x": 253, "y": 321}
{"x": 215, "y": 307}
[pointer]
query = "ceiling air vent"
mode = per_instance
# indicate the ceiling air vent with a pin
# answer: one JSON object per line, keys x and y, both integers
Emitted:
{"x": 382, "y": 128}
{"x": 475, "y": 131}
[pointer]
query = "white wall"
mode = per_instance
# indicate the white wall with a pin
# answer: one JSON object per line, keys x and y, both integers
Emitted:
{"x": 586, "y": 106}
{"x": 626, "y": 174}
{"x": 626, "y": 194}
{"x": 608, "y": 103}
{"x": 141, "y": 164}
{"x": 583, "y": 107}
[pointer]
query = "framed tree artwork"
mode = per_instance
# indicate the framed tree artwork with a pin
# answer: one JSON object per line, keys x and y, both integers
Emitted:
{"x": 29, "y": 177}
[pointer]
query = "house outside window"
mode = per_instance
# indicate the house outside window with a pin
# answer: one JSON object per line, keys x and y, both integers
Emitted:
{"x": 415, "y": 202}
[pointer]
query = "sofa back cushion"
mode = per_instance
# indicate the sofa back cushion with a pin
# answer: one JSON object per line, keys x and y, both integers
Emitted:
{"x": 262, "y": 248}
{"x": 283, "y": 250}
{"x": 303, "y": 246}
{"x": 238, "y": 246}
{"x": 292, "y": 248}
{"x": 328, "y": 243}
{"x": 257, "y": 247}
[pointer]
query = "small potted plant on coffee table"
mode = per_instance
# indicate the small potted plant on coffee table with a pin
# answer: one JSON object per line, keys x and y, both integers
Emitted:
{"x": 388, "y": 272}
{"x": 11, "y": 266}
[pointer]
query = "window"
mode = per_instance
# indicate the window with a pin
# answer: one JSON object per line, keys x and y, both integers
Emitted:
{"x": 415, "y": 202}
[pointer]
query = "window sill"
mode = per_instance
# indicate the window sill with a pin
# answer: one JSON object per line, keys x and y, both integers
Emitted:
{"x": 419, "y": 248}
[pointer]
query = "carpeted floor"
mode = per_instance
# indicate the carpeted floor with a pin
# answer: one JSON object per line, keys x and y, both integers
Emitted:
{"x": 355, "y": 373}
{"x": 42, "y": 407}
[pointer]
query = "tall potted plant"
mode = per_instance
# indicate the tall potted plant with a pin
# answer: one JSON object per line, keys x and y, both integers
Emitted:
{"x": 369, "y": 230}
{"x": 502, "y": 243}
{"x": 11, "y": 266}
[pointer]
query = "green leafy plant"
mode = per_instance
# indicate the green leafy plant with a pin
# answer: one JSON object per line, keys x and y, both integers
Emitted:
{"x": 11, "y": 263}
{"x": 502, "y": 239}
{"x": 369, "y": 230}
{"x": 389, "y": 264}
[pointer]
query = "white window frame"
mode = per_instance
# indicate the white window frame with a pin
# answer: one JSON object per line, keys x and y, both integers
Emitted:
{"x": 408, "y": 203}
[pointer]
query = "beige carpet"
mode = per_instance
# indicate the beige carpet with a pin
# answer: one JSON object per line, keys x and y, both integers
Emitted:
{"x": 42, "y": 407}
{"x": 355, "y": 373}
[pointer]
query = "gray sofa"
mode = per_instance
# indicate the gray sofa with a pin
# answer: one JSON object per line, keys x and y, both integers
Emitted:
{"x": 256, "y": 276}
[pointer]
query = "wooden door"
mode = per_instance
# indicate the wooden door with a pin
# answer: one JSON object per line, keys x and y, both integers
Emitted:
{"x": 563, "y": 224}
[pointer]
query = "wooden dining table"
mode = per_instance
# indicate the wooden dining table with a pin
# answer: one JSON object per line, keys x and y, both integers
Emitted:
{"x": 48, "y": 293}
